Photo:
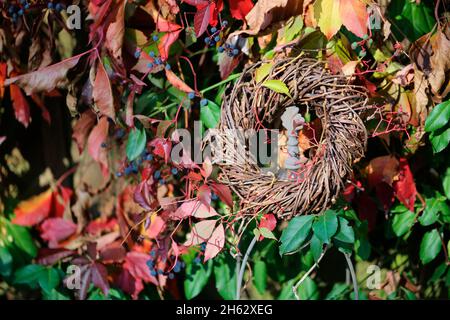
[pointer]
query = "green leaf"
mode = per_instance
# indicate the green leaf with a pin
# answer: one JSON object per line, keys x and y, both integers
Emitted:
{"x": 345, "y": 233}
{"x": 48, "y": 279}
{"x": 210, "y": 114}
{"x": 439, "y": 117}
{"x": 295, "y": 234}
{"x": 402, "y": 222}
{"x": 316, "y": 247}
{"x": 260, "y": 276}
{"x": 308, "y": 290}
{"x": 446, "y": 183}
{"x": 54, "y": 295}
{"x": 263, "y": 71}
{"x": 225, "y": 276}
{"x": 293, "y": 29}
{"x": 430, "y": 246}
{"x": 136, "y": 143}
{"x": 362, "y": 244}
{"x": 440, "y": 139}
{"x": 325, "y": 226}
{"x": 430, "y": 214}
{"x": 21, "y": 238}
{"x": 337, "y": 292}
{"x": 29, "y": 274}
{"x": 5, "y": 262}
{"x": 266, "y": 233}
{"x": 277, "y": 86}
{"x": 197, "y": 276}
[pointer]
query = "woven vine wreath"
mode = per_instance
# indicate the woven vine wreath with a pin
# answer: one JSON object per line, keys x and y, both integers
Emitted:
{"x": 340, "y": 141}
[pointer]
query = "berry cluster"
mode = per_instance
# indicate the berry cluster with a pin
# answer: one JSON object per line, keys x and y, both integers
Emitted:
{"x": 230, "y": 49}
{"x": 158, "y": 271}
{"x": 365, "y": 41}
{"x": 155, "y": 59}
{"x": 16, "y": 11}
{"x": 56, "y": 6}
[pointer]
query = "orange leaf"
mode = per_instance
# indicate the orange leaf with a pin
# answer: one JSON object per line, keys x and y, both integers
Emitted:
{"x": 33, "y": 210}
{"x": 177, "y": 82}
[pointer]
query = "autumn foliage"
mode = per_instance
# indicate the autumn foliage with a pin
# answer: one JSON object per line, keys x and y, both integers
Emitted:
{"x": 87, "y": 122}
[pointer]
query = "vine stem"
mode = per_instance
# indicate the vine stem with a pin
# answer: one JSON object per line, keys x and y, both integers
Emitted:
{"x": 353, "y": 275}
{"x": 316, "y": 264}
{"x": 243, "y": 265}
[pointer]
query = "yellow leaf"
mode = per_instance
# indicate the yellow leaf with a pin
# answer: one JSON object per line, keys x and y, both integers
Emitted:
{"x": 330, "y": 18}
{"x": 263, "y": 71}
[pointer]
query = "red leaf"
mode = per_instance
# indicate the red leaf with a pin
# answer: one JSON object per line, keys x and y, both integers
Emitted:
{"x": 99, "y": 226}
{"x": 201, "y": 19}
{"x": 102, "y": 92}
{"x": 354, "y": 16}
{"x": 33, "y": 210}
{"x": 46, "y": 79}
{"x": 215, "y": 243}
{"x": 100, "y": 277}
{"x": 162, "y": 148}
{"x": 60, "y": 201}
{"x": 405, "y": 188}
{"x": 224, "y": 193}
{"x": 269, "y": 222}
{"x": 136, "y": 264}
{"x": 240, "y": 8}
{"x": 194, "y": 208}
{"x": 55, "y": 230}
{"x": 48, "y": 256}
{"x": 204, "y": 195}
{"x": 201, "y": 232}
{"x": 177, "y": 82}
{"x": 20, "y": 104}
{"x": 82, "y": 128}
{"x": 367, "y": 210}
{"x": 157, "y": 225}
{"x": 382, "y": 169}
{"x": 96, "y": 138}
{"x": 166, "y": 41}
{"x": 207, "y": 168}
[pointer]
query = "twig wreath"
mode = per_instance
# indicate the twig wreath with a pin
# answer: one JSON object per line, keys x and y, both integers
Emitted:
{"x": 336, "y": 135}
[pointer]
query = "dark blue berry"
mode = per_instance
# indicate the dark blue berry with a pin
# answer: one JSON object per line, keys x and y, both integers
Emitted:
{"x": 20, "y": 12}
{"x": 203, "y": 102}
{"x": 213, "y": 29}
{"x": 220, "y": 49}
{"x": 171, "y": 276}
{"x": 235, "y": 52}
{"x": 177, "y": 268}
{"x": 149, "y": 157}
{"x": 150, "y": 264}
{"x": 157, "y": 174}
{"x": 168, "y": 67}
{"x": 174, "y": 171}
{"x": 50, "y": 5}
{"x": 155, "y": 37}
{"x": 224, "y": 23}
{"x": 227, "y": 46}
{"x": 137, "y": 54}
{"x": 153, "y": 273}
{"x": 214, "y": 196}
{"x": 197, "y": 260}
{"x": 120, "y": 133}
{"x": 128, "y": 170}
{"x": 152, "y": 54}
{"x": 158, "y": 61}
{"x": 207, "y": 40}
{"x": 203, "y": 246}
{"x": 104, "y": 145}
{"x": 217, "y": 39}
{"x": 162, "y": 181}
{"x": 183, "y": 264}
{"x": 27, "y": 6}
{"x": 23, "y": 1}
{"x": 11, "y": 9}
{"x": 118, "y": 174}
{"x": 153, "y": 253}
{"x": 149, "y": 65}
{"x": 160, "y": 271}
{"x": 58, "y": 7}
{"x": 191, "y": 95}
